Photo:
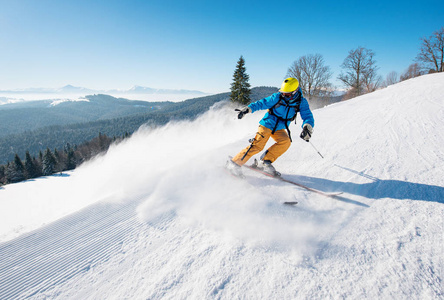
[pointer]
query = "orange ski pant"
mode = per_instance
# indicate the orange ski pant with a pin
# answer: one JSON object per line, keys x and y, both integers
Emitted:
{"x": 263, "y": 134}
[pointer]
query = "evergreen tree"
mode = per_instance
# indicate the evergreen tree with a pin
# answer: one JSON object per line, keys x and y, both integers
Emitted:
{"x": 30, "y": 167}
{"x": 70, "y": 160}
{"x": 15, "y": 171}
{"x": 38, "y": 167}
{"x": 240, "y": 87}
{"x": 48, "y": 163}
{"x": 67, "y": 147}
{"x": 104, "y": 142}
{"x": 60, "y": 157}
{"x": 9, "y": 171}
{"x": 2, "y": 175}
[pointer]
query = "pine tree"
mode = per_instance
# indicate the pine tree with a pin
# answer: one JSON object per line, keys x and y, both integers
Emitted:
{"x": 9, "y": 171}
{"x": 60, "y": 157}
{"x": 2, "y": 175}
{"x": 38, "y": 167}
{"x": 48, "y": 163}
{"x": 56, "y": 153}
{"x": 30, "y": 167}
{"x": 67, "y": 148}
{"x": 70, "y": 160}
{"x": 240, "y": 87}
{"x": 15, "y": 171}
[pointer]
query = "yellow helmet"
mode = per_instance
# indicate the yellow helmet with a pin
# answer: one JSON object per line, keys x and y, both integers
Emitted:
{"x": 289, "y": 85}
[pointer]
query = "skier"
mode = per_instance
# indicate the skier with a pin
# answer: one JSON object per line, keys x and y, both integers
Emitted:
{"x": 282, "y": 110}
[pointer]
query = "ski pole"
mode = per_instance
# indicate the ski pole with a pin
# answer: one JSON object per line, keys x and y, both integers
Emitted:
{"x": 251, "y": 146}
{"x": 315, "y": 148}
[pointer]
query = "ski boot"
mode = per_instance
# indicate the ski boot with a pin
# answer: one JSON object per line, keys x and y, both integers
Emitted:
{"x": 267, "y": 167}
{"x": 234, "y": 168}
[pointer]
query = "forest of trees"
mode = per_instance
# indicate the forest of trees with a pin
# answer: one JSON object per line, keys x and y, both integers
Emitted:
{"x": 49, "y": 162}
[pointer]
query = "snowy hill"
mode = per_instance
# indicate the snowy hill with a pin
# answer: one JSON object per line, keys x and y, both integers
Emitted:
{"x": 172, "y": 224}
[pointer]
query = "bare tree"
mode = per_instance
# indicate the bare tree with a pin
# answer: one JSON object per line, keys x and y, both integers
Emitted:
{"x": 360, "y": 72}
{"x": 414, "y": 70}
{"x": 432, "y": 51}
{"x": 372, "y": 81}
{"x": 391, "y": 78}
{"x": 313, "y": 76}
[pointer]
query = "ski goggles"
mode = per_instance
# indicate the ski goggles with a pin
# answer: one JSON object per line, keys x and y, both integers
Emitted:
{"x": 288, "y": 95}
{"x": 292, "y": 95}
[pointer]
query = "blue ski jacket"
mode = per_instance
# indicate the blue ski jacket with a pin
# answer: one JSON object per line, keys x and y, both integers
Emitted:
{"x": 284, "y": 110}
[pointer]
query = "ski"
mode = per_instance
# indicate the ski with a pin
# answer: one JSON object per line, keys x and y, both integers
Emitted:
{"x": 254, "y": 168}
{"x": 290, "y": 202}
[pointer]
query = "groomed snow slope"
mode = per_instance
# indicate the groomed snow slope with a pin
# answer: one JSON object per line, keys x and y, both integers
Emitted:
{"x": 157, "y": 216}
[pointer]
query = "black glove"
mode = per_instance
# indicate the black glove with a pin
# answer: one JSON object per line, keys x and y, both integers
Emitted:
{"x": 306, "y": 133}
{"x": 242, "y": 112}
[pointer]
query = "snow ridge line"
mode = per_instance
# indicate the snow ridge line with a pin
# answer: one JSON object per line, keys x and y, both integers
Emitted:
{"x": 80, "y": 263}
{"x": 83, "y": 262}
{"x": 40, "y": 264}
{"x": 16, "y": 248}
{"x": 55, "y": 253}
{"x": 12, "y": 249}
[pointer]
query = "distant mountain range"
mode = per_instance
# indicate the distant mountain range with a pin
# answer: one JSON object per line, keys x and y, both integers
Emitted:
{"x": 70, "y": 89}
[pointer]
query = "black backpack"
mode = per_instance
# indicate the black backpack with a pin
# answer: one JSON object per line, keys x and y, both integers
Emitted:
{"x": 296, "y": 104}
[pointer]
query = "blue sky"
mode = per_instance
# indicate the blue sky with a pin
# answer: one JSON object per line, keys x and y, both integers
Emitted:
{"x": 196, "y": 44}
